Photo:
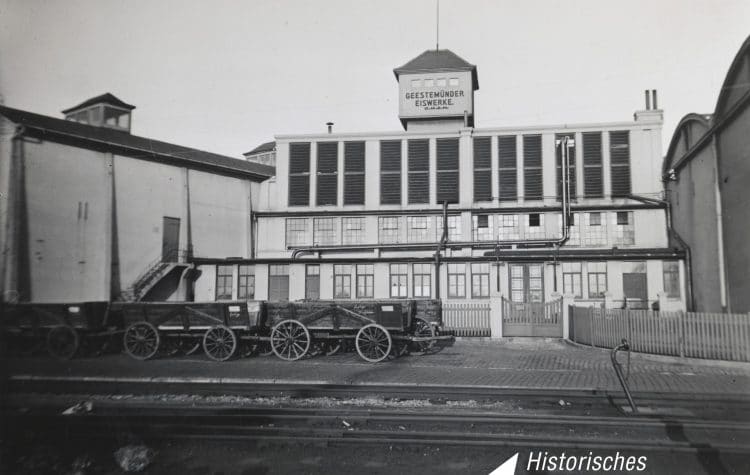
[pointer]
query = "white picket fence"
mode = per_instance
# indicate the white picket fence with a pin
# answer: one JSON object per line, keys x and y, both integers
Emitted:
{"x": 470, "y": 319}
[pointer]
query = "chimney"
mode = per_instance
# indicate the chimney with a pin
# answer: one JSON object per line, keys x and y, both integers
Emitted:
{"x": 648, "y": 100}
{"x": 653, "y": 96}
{"x": 330, "y": 127}
{"x": 652, "y": 113}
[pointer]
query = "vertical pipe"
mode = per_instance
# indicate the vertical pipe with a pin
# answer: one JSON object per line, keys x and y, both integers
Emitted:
{"x": 648, "y": 100}
{"x": 653, "y": 94}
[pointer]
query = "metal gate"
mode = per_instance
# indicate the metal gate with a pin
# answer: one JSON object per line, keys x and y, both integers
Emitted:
{"x": 533, "y": 319}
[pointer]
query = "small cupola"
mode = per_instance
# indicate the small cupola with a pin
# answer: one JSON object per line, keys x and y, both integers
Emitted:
{"x": 102, "y": 111}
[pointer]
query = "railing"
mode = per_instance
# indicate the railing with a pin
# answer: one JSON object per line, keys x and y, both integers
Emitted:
{"x": 467, "y": 318}
{"x": 723, "y": 336}
{"x": 151, "y": 270}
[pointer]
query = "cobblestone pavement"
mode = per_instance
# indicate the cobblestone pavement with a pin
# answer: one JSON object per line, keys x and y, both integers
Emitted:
{"x": 511, "y": 364}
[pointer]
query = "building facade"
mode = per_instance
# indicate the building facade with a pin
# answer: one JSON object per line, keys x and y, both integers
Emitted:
{"x": 707, "y": 171}
{"x": 360, "y": 216}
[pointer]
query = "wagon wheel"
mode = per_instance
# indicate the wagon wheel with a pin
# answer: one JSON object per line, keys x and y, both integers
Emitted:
{"x": 141, "y": 340}
{"x": 290, "y": 340}
{"x": 62, "y": 342}
{"x": 219, "y": 343}
{"x": 423, "y": 329}
{"x": 373, "y": 343}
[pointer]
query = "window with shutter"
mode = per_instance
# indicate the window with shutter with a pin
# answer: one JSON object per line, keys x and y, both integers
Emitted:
{"x": 419, "y": 171}
{"x": 299, "y": 174}
{"x": 592, "y": 165}
{"x": 328, "y": 163}
{"x": 619, "y": 162}
{"x": 447, "y": 170}
{"x": 482, "y": 169}
{"x": 506, "y": 148}
{"x": 532, "y": 167}
{"x": 354, "y": 173}
{"x": 571, "y": 169}
{"x": 390, "y": 172}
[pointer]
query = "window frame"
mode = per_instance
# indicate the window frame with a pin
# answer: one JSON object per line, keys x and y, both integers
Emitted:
{"x": 242, "y": 288}
{"x": 222, "y": 283}
{"x": 421, "y": 275}
{"x": 401, "y": 283}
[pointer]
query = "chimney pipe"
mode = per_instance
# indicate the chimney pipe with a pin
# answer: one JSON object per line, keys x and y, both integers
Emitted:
{"x": 648, "y": 100}
{"x": 653, "y": 93}
{"x": 330, "y": 127}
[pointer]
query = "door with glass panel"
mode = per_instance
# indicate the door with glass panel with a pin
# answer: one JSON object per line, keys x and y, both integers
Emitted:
{"x": 526, "y": 313}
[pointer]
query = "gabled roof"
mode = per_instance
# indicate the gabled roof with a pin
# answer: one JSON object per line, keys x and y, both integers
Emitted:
{"x": 438, "y": 60}
{"x": 105, "y": 98}
{"x": 264, "y": 147}
{"x": 124, "y": 143}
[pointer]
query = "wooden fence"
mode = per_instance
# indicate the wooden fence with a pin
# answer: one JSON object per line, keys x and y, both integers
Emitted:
{"x": 467, "y": 318}
{"x": 723, "y": 336}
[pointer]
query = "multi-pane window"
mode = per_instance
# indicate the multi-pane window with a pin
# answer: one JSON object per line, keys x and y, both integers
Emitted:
{"x": 592, "y": 165}
{"x": 574, "y": 229}
{"x": 480, "y": 280}
{"x": 224, "y": 282}
{"x": 527, "y": 283}
{"x": 454, "y": 228}
{"x": 325, "y": 231}
{"x": 482, "y": 169}
{"x": 597, "y": 272}
{"x": 328, "y": 163}
{"x": 595, "y": 230}
{"x": 532, "y": 167}
{"x": 456, "y": 280}
{"x": 535, "y": 226}
{"x": 506, "y": 157}
{"x": 278, "y": 282}
{"x": 419, "y": 171}
{"x": 619, "y": 160}
{"x": 398, "y": 280}
{"x": 246, "y": 282}
{"x": 422, "y": 276}
{"x": 571, "y": 272}
{"x": 353, "y": 230}
{"x": 623, "y": 230}
{"x": 571, "y": 175}
{"x": 447, "y": 170}
{"x": 517, "y": 287}
{"x": 418, "y": 229}
{"x": 312, "y": 281}
{"x": 388, "y": 230}
{"x": 390, "y": 172}
{"x": 342, "y": 281}
{"x": 297, "y": 232}
{"x": 671, "y": 278}
{"x": 482, "y": 227}
{"x": 354, "y": 173}
{"x": 507, "y": 227}
{"x": 299, "y": 174}
{"x": 365, "y": 281}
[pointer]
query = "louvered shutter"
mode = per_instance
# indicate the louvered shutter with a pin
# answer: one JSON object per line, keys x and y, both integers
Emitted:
{"x": 532, "y": 167}
{"x": 447, "y": 171}
{"x": 482, "y": 169}
{"x": 299, "y": 174}
{"x": 619, "y": 161}
{"x": 354, "y": 173}
{"x": 571, "y": 170}
{"x": 328, "y": 162}
{"x": 419, "y": 171}
{"x": 506, "y": 155}
{"x": 390, "y": 172}
{"x": 592, "y": 165}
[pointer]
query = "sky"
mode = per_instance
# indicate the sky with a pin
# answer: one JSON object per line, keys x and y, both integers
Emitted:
{"x": 225, "y": 76}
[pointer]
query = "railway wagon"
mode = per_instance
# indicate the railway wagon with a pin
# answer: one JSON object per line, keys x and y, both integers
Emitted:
{"x": 378, "y": 328}
{"x": 65, "y": 329}
{"x": 173, "y": 327}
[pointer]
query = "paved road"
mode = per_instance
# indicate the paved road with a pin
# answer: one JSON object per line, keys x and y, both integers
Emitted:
{"x": 511, "y": 364}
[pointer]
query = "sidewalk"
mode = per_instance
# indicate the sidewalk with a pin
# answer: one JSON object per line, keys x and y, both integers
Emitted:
{"x": 534, "y": 364}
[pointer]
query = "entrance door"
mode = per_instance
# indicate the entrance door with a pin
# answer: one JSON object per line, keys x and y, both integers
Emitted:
{"x": 170, "y": 239}
{"x": 635, "y": 288}
{"x": 526, "y": 313}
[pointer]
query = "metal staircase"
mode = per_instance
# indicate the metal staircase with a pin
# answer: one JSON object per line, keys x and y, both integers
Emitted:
{"x": 154, "y": 273}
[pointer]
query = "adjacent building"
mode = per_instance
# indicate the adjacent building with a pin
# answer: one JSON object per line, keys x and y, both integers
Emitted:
{"x": 707, "y": 172}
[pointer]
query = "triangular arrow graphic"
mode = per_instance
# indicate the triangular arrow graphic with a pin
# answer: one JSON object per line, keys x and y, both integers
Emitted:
{"x": 508, "y": 467}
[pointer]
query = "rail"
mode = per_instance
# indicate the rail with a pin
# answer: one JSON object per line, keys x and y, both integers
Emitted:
{"x": 618, "y": 371}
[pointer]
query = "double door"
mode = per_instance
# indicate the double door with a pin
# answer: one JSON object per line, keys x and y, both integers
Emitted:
{"x": 526, "y": 313}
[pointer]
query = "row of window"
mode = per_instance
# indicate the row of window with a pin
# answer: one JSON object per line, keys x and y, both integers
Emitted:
{"x": 434, "y": 82}
{"x": 587, "y": 229}
{"x": 447, "y": 169}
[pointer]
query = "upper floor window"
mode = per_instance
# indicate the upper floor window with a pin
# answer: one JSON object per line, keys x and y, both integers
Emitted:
{"x": 482, "y": 224}
{"x": 418, "y": 229}
{"x": 388, "y": 230}
{"x": 535, "y": 226}
{"x": 297, "y": 233}
{"x": 325, "y": 231}
{"x": 507, "y": 227}
{"x": 454, "y": 228}
{"x": 623, "y": 230}
{"x": 594, "y": 233}
{"x": 453, "y": 81}
{"x": 354, "y": 230}
{"x": 441, "y": 82}
{"x": 299, "y": 174}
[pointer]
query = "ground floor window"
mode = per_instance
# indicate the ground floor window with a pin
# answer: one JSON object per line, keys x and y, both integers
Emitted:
{"x": 278, "y": 282}
{"x": 572, "y": 278}
{"x": 365, "y": 281}
{"x": 672, "y": 279}
{"x": 312, "y": 281}
{"x": 246, "y": 282}
{"x": 398, "y": 278}
{"x": 224, "y": 282}
{"x": 456, "y": 281}
{"x": 480, "y": 280}
{"x": 422, "y": 280}
{"x": 342, "y": 281}
{"x": 597, "y": 272}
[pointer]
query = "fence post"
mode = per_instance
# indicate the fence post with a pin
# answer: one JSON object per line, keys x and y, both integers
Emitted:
{"x": 591, "y": 326}
{"x": 681, "y": 344}
{"x": 567, "y": 302}
{"x": 496, "y": 316}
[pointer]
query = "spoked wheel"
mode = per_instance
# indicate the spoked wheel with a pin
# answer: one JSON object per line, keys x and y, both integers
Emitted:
{"x": 373, "y": 343}
{"x": 219, "y": 343}
{"x": 62, "y": 342}
{"x": 141, "y": 340}
{"x": 290, "y": 340}
{"x": 423, "y": 329}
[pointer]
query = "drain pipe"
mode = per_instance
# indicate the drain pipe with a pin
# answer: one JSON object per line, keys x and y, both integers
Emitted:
{"x": 440, "y": 245}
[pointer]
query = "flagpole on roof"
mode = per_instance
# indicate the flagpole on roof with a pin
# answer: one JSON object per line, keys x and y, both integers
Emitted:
{"x": 437, "y": 27}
